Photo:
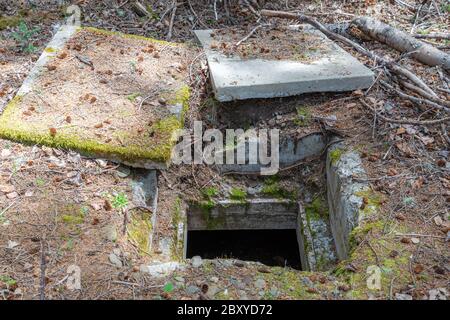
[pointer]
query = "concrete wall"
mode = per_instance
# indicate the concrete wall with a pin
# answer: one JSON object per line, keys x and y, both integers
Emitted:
{"x": 248, "y": 214}
{"x": 344, "y": 194}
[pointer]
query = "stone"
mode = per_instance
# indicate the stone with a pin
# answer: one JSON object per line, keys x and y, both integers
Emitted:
{"x": 260, "y": 283}
{"x": 212, "y": 291}
{"x": 5, "y": 153}
{"x": 234, "y": 78}
{"x": 159, "y": 270}
{"x": 403, "y": 296}
{"x": 110, "y": 232}
{"x": 242, "y": 295}
{"x": 214, "y": 279}
{"x": 123, "y": 171}
{"x": 196, "y": 261}
{"x": 192, "y": 289}
{"x": 274, "y": 292}
{"x": 115, "y": 260}
{"x": 438, "y": 294}
{"x": 179, "y": 279}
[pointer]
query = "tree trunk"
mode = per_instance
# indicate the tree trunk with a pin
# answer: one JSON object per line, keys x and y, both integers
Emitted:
{"x": 403, "y": 42}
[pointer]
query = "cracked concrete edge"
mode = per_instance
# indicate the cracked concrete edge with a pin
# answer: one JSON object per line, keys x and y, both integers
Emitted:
{"x": 342, "y": 192}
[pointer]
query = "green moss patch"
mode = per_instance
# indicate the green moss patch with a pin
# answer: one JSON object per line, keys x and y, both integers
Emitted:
{"x": 139, "y": 229}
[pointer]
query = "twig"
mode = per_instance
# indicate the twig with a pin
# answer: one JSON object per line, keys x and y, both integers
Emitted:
{"x": 439, "y": 36}
{"x": 172, "y": 19}
{"x": 418, "y": 235}
{"x": 248, "y": 35}
{"x": 415, "y": 99}
{"x": 43, "y": 267}
{"x": 405, "y": 121}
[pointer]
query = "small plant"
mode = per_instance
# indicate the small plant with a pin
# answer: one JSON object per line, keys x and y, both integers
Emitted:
{"x": 7, "y": 280}
{"x": 168, "y": 288}
{"x": 303, "y": 117}
{"x": 24, "y": 35}
{"x": 120, "y": 201}
{"x": 132, "y": 97}
{"x": 238, "y": 194}
{"x": 210, "y": 192}
{"x": 39, "y": 182}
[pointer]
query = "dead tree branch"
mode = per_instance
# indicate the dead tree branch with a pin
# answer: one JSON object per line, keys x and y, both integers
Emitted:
{"x": 403, "y": 42}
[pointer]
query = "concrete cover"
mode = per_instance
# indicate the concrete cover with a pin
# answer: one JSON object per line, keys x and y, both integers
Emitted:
{"x": 103, "y": 94}
{"x": 235, "y": 79}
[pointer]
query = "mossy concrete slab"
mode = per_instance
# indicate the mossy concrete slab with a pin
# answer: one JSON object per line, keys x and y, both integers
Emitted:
{"x": 329, "y": 70}
{"x": 103, "y": 94}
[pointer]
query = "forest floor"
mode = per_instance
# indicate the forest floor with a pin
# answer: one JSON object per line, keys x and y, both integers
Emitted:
{"x": 58, "y": 208}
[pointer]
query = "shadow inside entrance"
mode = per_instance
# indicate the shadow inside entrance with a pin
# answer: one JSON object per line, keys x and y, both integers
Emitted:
{"x": 270, "y": 247}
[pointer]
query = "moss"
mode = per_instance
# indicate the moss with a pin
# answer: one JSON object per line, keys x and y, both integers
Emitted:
{"x": 209, "y": 192}
{"x": 371, "y": 202}
{"x": 303, "y": 117}
{"x": 132, "y": 97}
{"x": 12, "y": 21}
{"x": 72, "y": 215}
{"x": 361, "y": 231}
{"x": 336, "y": 155}
{"x": 50, "y": 50}
{"x": 129, "y": 36}
{"x": 238, "y": 194}
{"x": 159, "y": 150}
{"x": 139, "y": 230}
{"x": 177, "y": 243}
{"x": 317, "y": 209}
{"x": 272, "y": 188}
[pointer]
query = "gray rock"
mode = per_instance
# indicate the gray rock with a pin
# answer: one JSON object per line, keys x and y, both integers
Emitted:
{"x": 260, "y": 283}
{"x": 438, "y": 294}
{"x": 403, "y": 296}
{"x": 123, "y": 172}
{"x": 307, "y": 282}
{"x": 274, "y": 292}
{"x": 110, "y": 232}
{"x": 161, "y": 269}
{"x": 196, "y": 261}
{"x": 192, "y": 290}
{"x": 115, "y": 260}
{"x": 214, "y": 279}
{"x": 212, "y": 291}
{"x": 242, "y": 295}
{"x": 180, "y": 280}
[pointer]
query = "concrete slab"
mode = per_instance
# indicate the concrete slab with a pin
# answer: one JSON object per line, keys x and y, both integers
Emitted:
{"x": 103, "y": 94}
{"x": 328, "y": 70}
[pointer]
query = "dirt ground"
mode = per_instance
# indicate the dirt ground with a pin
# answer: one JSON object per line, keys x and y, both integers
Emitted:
{"x": 59, "y": 209}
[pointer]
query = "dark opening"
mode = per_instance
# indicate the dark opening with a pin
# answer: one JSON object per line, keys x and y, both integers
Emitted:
{"x": 270, "y": 247}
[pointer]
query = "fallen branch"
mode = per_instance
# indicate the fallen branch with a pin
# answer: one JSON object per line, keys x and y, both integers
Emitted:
{"x": 438, "y": 36}
{"x": 397, "y": 69}
{"x": 403, "y": 42}
{"x": 405, "y": 121}
{"x": 415, "y": 99}
{"x": 172, "y": 19}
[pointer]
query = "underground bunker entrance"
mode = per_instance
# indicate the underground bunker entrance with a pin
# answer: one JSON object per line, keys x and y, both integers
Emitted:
{"x": 277, "y": 247}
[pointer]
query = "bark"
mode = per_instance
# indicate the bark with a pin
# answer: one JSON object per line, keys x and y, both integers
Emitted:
{"x": 403, "y": 42}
